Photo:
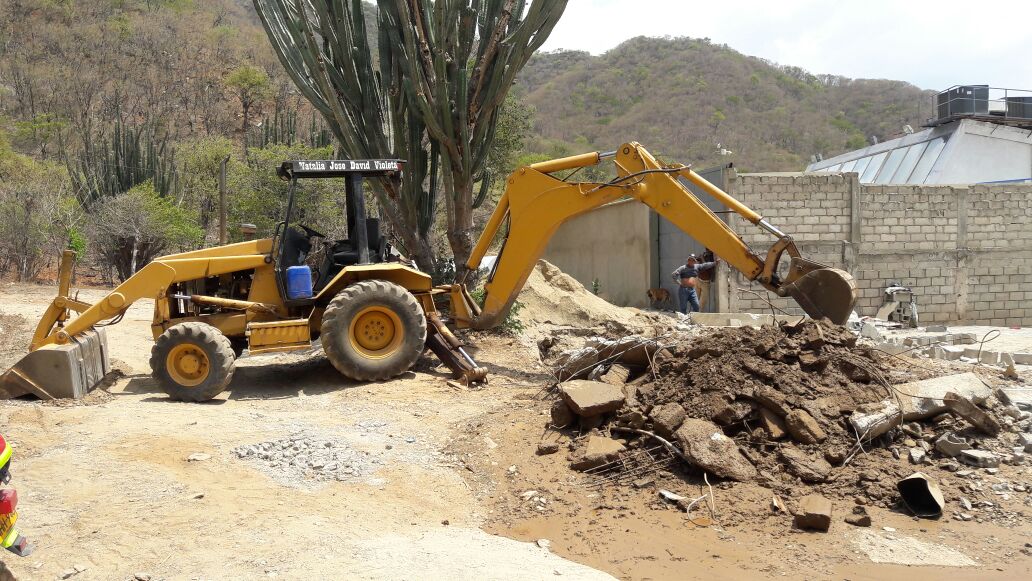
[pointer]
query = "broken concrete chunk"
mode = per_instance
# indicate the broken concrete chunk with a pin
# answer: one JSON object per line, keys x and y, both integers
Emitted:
{"x": 873, "y": 420}
{"x": 1025, "y": 440}
{"x": 705, "y": 446}
{"x": 545, "y": 448}
{"x": 1022, "y": 358}
{"x": 632, "y": 419}
{"x": 952, "y": 352}
{"x": 926, "y": 396}
{"x": 772, "y": 424}
{"x": 989, "y": 357}
{"x": 804, "y": 428}
{"x": 859, "y": 518}
{"x": 631, "y": 350}
{"x": 617, "y": 375}
{"x": 804, "y": 466}
{"x": 814, "y": 513}
{"x": 964, "y": 338}
{"x": 591, "y": 398}
{"x": 979, "y": 458}
{"x": 1020, "y": 396}
{"x": 667, "y": 418}
{"x": 771, "y": 400}
{"x": 917, "y": 455}
{"x": 733, "y": 413}
{"x": 595, "y": 452}
{"x": 561, "y": 414}
{"x": 951, "y": 445}
{"x": 870, "y": 331}
{"x": 963, "y": 407}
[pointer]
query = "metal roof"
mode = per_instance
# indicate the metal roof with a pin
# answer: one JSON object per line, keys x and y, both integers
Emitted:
{"x": 964, "y": 151}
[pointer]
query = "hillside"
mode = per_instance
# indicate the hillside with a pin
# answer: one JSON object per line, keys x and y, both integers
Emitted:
{"x": 682, "y": 96}
{"x": 116, "y": 116}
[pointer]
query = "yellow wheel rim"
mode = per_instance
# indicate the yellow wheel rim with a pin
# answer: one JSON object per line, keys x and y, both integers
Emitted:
{"x": 188, "y": 365}
{"x": 376, "y": 332}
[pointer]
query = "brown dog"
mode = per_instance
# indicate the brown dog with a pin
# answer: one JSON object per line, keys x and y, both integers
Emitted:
{"x": 658, "y": 296}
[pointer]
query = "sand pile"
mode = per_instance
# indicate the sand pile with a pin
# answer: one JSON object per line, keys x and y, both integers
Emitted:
{"x": 555, "y": 301}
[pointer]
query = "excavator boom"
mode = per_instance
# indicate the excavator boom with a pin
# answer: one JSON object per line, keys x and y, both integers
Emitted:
{"x": 536, "y": 203}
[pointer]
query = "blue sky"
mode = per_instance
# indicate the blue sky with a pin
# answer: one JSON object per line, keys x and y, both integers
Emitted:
{"x": 930, "y": 44}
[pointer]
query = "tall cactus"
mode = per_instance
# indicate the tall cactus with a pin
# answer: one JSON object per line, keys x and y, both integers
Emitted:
{"x": 129, "y": 157}
{"x": 431, "y": 97}
{"x": 283, "y": 128}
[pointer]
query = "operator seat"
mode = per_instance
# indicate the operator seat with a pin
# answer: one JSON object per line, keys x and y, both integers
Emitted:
{"x": 345, "y": 253}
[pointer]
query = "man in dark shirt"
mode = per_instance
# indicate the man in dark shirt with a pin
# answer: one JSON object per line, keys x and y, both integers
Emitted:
{"x": 687, "y": 277}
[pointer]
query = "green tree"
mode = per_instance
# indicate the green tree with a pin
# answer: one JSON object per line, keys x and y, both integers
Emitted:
{"x": 37, "y": 212}
{"x": 200, "y": 161}
{"x": 135, "y": 227}
{"x": 251, "y": 85}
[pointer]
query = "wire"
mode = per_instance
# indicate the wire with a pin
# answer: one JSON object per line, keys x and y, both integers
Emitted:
{"x": 617, "y": 180}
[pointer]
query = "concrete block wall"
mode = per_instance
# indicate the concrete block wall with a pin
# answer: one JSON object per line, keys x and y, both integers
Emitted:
{"x": 814, "y": 208}
{"x": 610, "y": 245}
{"x": 965, "y": 250}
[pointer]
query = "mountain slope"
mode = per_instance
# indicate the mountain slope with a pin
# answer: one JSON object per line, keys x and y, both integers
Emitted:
{"x": 681, "y": 97}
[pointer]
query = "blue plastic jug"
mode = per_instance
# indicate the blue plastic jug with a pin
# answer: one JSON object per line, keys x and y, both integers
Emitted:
{"x": 299, "y": 283}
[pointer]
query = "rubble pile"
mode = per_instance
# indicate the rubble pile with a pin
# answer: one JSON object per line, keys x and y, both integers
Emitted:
{"x": 794, "y": 408}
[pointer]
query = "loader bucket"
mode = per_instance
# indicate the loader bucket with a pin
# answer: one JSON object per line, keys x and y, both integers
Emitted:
{"x": 824, "y": 292}
{"x": 60, "y": 371}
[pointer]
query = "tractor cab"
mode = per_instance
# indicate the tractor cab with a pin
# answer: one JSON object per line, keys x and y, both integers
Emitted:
{"x": 293, "y": 242}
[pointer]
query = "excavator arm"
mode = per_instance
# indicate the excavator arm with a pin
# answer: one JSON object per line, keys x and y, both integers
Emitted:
{"x": 536, "y": 203}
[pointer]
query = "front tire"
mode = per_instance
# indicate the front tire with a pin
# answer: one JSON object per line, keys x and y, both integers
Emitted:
{"x": 373, "y": 330}
{"x": 192, "y": 361}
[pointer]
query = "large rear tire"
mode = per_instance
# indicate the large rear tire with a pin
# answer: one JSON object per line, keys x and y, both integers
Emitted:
{"x": 373, "y": 330}
{"x": 192, "y": 361}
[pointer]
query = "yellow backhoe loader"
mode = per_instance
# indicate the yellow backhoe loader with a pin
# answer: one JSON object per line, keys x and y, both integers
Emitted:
{"x": 373, "y": 311}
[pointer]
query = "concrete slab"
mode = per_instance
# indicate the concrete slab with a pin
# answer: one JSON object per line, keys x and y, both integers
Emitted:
{"x": 926, "y": 396}
{"x": 591, "y": 398}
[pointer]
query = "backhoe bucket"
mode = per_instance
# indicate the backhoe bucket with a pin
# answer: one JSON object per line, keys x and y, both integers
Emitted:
{"x": 60, "y": 371}
{"x": 823, "y": 292}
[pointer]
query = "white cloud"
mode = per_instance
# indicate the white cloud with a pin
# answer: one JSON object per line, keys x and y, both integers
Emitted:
{"x": 933, "y": 44}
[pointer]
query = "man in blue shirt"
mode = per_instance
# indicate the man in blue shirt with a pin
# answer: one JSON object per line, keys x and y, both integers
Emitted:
{"x": 687, "y": 278}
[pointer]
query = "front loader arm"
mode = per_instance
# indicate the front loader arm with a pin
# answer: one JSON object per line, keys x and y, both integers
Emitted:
{"x": 148, "y": 283}
{"x": 536, "y": 204}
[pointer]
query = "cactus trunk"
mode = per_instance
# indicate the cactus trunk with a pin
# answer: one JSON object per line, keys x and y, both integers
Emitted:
{"x": 427, "y": 89}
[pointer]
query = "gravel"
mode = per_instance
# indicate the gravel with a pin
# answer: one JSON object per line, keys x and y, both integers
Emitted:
{"x": 311, "y": 456}
{"x": 308, "y": 457}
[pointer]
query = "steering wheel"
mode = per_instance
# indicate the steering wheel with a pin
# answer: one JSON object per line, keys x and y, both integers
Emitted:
{"x": 312, "y": 233}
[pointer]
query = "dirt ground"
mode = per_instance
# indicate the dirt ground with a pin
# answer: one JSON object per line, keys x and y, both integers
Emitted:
{"x": 446, "y": 483}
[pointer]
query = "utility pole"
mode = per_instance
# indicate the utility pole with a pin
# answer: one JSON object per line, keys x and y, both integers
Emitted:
{"x": 223, "y": 234}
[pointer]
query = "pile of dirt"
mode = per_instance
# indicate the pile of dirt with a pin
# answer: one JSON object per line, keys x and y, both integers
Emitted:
{"x": 775, "y": 406}
{"x": 555, "y": 301}
{"x": 743, "y": 378}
